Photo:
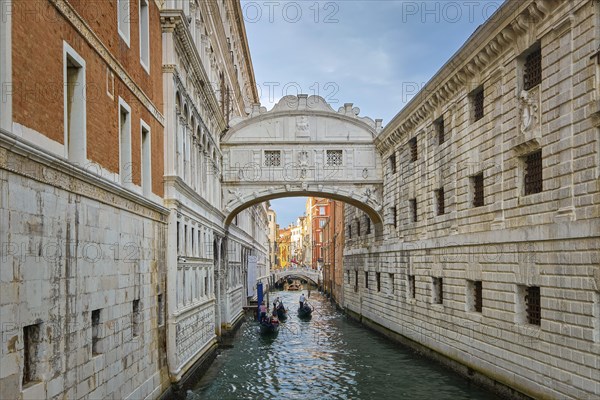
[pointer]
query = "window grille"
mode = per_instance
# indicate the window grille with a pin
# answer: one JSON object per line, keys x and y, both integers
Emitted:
{"x": 412, "y": 286}
{"x": 439, "y": 196}
{"x": 393, "y": 163}
{"x": 334, "y": 158}
{"x": 478, "y": 200}
{"x": 533, "y": 69}
{"x": 272, "y": 158}
{"x": 533, "y": 173}
{"x": 478, "y": 304}
{"x": 477, "y": 99}
{"x": 534, "y": 305}
{"x": 414, "y": 154}
{"x": 439, "y": 128}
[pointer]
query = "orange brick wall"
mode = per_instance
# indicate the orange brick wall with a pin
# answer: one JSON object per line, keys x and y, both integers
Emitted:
{"x": 38, "y": 34}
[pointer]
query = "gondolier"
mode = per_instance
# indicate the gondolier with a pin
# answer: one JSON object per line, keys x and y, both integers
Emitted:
{"x": 302, "y": 300}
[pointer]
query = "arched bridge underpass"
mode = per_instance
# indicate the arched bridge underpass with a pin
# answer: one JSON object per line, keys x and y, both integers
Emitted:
{"x": 306, "y": 273}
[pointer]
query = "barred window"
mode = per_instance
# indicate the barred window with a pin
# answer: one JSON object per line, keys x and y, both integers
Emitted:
{"x": 368, "y": 225}
{"x": 533, "y": 305}
{"x": 533, "y": 173}
{"x": 413, "y": 210}
{"x": 272, "y": 158}
{"x": 478, "y": 194}
{"x": 475, "y": 296}
{"x": 532, "y": 73}
{"x": 412, "y": 287}
{"x": 414, "y": 154}
{"x": 335, "y": 158}
{"x": 439, "y": 199}
{"x": 477, "y": 97}
{"x": 393, "y": 163}
{"x": 395, "y": 216}
{"x": 439, "y": 130}
{"x": 438, "y": 291}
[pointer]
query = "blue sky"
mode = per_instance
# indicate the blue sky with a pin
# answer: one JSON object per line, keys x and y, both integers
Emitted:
{"x": 372, "y": 53}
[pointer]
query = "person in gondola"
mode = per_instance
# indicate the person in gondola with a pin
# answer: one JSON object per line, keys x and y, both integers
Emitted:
{"x": 302, "y": 299}
{"x": 263, "y": 311}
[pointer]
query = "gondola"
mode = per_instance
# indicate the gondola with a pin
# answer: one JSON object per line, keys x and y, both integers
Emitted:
{"x": 269, "y": 326}
{"x": 305, "y": 311}
{"x": 281, "y": 313}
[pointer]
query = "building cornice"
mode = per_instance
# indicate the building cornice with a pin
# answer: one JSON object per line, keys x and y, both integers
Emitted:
{"x": 239, "y": 20}
{"x": 96, "y": 44}
{"x": 73, "y": 178}
{"x": 479, "y": 52}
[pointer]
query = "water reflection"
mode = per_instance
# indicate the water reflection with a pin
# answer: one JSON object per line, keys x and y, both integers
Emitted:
{"x": 327, "y": 357}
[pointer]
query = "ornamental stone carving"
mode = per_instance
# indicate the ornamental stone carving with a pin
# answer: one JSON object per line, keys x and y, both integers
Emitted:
{"x": 528, "y": 106}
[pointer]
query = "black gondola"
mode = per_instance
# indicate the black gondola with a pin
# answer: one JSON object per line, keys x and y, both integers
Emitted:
{"x": 269, "y": 326}
{"x": 281, "y": 312}
{"x": 305, "y": 311}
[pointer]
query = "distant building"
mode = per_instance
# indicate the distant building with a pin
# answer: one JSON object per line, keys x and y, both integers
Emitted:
{"x": 332, "y": 249}
{"x": 273, "y": 228}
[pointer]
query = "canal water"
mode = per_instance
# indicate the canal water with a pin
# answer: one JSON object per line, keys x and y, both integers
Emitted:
{"x": 328, "y": 357}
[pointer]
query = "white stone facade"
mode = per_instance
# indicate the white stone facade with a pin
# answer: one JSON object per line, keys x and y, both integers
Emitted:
{"x": 463, "y": 282}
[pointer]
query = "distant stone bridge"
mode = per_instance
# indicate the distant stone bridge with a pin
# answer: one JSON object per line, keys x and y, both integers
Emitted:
{"x": 298, "y": 272}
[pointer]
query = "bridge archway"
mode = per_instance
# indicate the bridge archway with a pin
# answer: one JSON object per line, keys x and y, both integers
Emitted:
{"x": 303, "y": 147}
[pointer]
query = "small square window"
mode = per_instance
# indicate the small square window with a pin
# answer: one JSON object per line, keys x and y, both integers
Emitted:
{"x": 533, "y": 173}
{"x": 272, "y": 158}
{"x": 335, "y": 158}
{"x": 439, "y": 200}
{"x": 414, "y": 153}
{"x": 438, "y": 291}
{"x": 477, "y": 97}
{"x": 477, "y": 190}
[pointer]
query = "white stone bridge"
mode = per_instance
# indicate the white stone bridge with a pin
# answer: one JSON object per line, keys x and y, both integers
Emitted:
{"x": 303, "y": 147}
{"x": 298, "y": 272}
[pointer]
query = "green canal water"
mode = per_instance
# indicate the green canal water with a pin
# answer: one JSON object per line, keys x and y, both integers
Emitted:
{"x": 327, "y": 357}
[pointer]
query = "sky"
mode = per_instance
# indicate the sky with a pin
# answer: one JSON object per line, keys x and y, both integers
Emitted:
{"x": 373, "y": 53}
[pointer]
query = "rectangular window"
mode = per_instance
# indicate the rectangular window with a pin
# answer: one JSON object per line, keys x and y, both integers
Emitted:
{"x": 392, "y": 286}
{"x": 145, "y": 35}
{"x": 185, "y": 240}
{"x": 135, "y": 318}
{"x": 356, "y": 281}
{"x": 412, "y": 287}
{"x": 392, "y": 162}
{"x": 439, "y": 130}
{"x": 596, "y": 316}
{"x": 414, "y": 153}
{"x": 146, "y": 160}
{"x": 413, "y": 210}
{"x": 178, "y": 239}
{"x": 321, "y": 210}
{"x": 533, "y": 305}
{"x": 439, "y": 201}
{"x": 532, "y": 71}
{"x": 126, "y": 167}
{"x": 74, "y": 106}
{"x": 368, "y": 225}
{"x": 395, "y": 216}
{"x": 533, "y": 173}
{"x": 335, "y": 158}
{"x": 206, "y": 292}
{"x": 477, "y": 97}
{"x": 322, "y": 223}
{"x": 438, "y": 291}
{"x": 348, "y": 273}
{"x": 96, "y": 332}
{"x": 31, "y": 350}
{"x": 160, "y": 309}
{"x": 474, "y": 296}
{"x": 123, "y": 19}
{"x": 367, "y": 279}
{"x": 349, "y": 231}
{"x": 477, "y": 190}
{"x": 378, "y": 280}
{"x": 272, "y": 158}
